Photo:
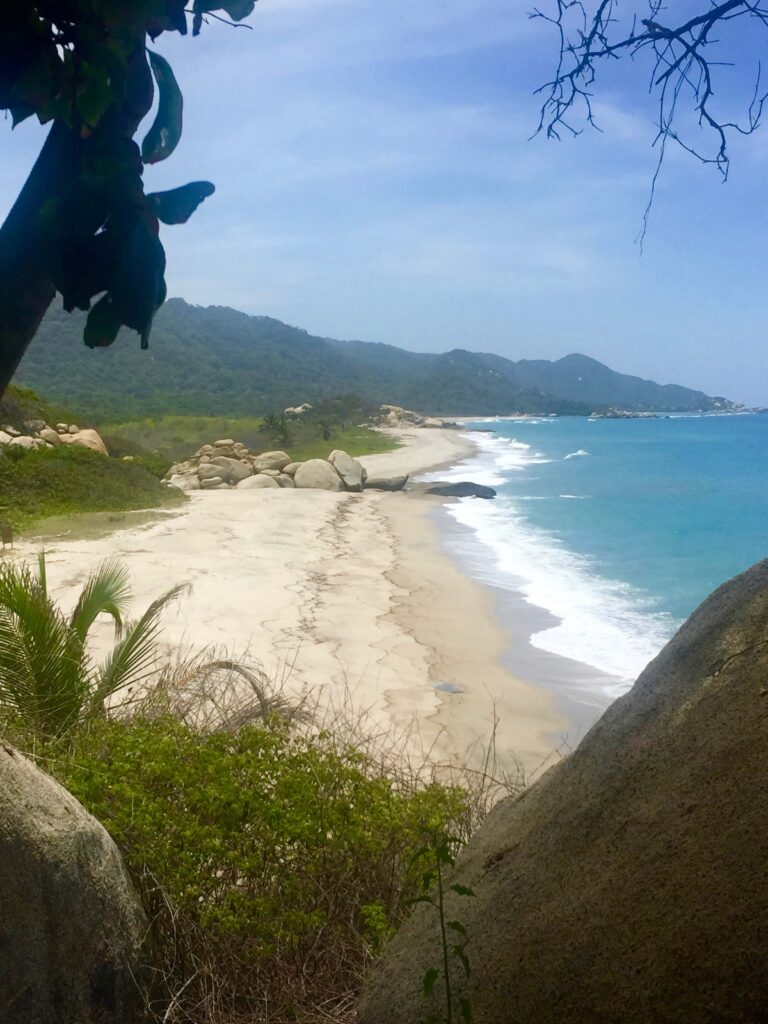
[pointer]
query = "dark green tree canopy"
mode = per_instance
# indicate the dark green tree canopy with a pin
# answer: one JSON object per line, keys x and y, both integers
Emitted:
{"x": 83, "y": 225}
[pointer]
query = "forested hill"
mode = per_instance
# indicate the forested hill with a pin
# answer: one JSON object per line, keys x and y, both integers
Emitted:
{"x": 214, "y": 360}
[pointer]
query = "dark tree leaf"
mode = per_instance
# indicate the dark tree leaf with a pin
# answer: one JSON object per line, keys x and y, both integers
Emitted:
{"x": 102, "y": 324}
{"x": 235, "y": 9}
{"x": 177, "y": 205}
{"x": 238, "y": 9}
{"x": 138, "y": 285}
{"x": 163, "y": 137}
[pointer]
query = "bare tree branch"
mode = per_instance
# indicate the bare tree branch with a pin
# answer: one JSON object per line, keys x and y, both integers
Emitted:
{"x": 684, "y": 57}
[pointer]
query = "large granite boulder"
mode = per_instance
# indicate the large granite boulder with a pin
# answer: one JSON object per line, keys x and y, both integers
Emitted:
{"x": 318, "y": 473}
{"x": 24, "y": 441}
{"x": 85, "y": 439}
{"x": 270, "y": 460}
{"x": 350, "y": 470}
{"x": 231, "y": 470}
{"x": 628, "y": 885}
{"x": 255, "y": 483}
{"x": 208, "y": 471}
{"x": 185, "y": 482}
{"x": 50, "y": 436}
{"x": 387, "y": 483}
{"x": 70, "y": 922}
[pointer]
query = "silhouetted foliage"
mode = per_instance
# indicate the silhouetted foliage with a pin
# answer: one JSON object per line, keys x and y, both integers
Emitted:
{"x": 83, "y": 225}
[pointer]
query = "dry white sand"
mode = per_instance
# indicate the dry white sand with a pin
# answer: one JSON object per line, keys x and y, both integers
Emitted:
{"x": 351, "y": 591}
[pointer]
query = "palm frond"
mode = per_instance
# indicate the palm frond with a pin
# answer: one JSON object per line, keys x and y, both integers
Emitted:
{"x": 133, "y": 658}
{"x": 41, "y": 674}
{"x": 107, "y": 591}
{"x": 42, "y": 576}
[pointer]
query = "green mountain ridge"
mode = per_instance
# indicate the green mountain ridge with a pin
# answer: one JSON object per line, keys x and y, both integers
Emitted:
{"x": 218, "y": 361}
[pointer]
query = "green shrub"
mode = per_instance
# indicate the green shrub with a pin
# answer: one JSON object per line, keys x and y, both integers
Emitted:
{"x": 272, "y": 864}
{"x": 35, "y": 484}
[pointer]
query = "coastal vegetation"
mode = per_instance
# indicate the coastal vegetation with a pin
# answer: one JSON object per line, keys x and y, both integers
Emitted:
{"x": 341, "y": 423}
{"x": 36, "y": 485}
{"x": 276, "y": 844}
{"x": 217, "y": 361}
{"x": 49, "y": 685}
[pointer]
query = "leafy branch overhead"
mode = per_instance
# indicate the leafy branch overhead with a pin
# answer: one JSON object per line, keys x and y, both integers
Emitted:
{"x": 84, "y": 66}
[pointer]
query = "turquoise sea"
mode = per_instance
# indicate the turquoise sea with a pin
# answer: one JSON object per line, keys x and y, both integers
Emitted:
{"x": 618, "y": 528}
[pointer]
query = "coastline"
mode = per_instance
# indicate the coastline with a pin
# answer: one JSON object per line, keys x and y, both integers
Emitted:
{"x": 349, "y": 599}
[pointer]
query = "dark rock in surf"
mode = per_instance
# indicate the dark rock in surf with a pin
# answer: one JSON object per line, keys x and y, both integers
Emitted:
{"x": 465, "y": 489}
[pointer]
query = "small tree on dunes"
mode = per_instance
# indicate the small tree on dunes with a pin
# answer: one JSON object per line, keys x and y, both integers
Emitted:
{"x": 49, "y": 682}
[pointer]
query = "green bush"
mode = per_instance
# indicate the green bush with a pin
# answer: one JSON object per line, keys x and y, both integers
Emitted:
{"x": 35, "y": 484}
{"x": 272, "y": 864}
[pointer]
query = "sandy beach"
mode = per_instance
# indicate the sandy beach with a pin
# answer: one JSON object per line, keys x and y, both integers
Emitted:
{"x": 348, "y": 595}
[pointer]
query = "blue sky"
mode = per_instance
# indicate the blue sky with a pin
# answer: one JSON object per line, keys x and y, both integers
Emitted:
{"x": 376, "y": 180}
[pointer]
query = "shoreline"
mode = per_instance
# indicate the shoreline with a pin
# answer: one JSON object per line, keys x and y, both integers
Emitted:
{"x": 350, "y": 599}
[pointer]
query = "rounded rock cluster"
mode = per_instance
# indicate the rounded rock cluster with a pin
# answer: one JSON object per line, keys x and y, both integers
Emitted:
{"x": 37, "y": 434}
{"x": 227, "y": 464}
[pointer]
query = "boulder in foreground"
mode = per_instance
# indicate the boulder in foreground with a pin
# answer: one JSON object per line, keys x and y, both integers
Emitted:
{"x": 70, "y": 922}
{"x": 629, "y": 884}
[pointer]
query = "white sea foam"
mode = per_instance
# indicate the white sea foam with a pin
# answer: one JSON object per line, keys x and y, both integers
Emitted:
{"x": 494, "y": 457}
{"x": 604, "y": 623}
{"x": 575, "y": 455}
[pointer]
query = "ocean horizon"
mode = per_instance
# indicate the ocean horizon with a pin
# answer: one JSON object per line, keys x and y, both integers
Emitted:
{"x": 616, "y": 529}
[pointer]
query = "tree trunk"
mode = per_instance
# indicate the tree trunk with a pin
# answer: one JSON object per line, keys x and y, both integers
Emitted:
{"x": 26, "y": 290}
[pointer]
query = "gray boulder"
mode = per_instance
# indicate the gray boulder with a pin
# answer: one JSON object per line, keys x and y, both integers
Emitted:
{"x": 349, "y": 469}
{"x": 71, "y": 924}
{"x": 628, "y": 885}
{"x": 49, "y": 435}
{"x": 224, "y": 442}
{"x": 284, "y": 480}
{"x": 253, "y": 483}
{"x": 270, "y": 460}
{"x": 317, "y": 473}
{"x": 212, "y": 483}
{"x": 231, "y": 470}
{"x": 207, "y": 471}
{"x": 185, "y": 482}
{"x": 4, "y": 437}
{"x": 291, "y": 468}
{"x": 23, "y": 441}
{"x": 387, "y": 483}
